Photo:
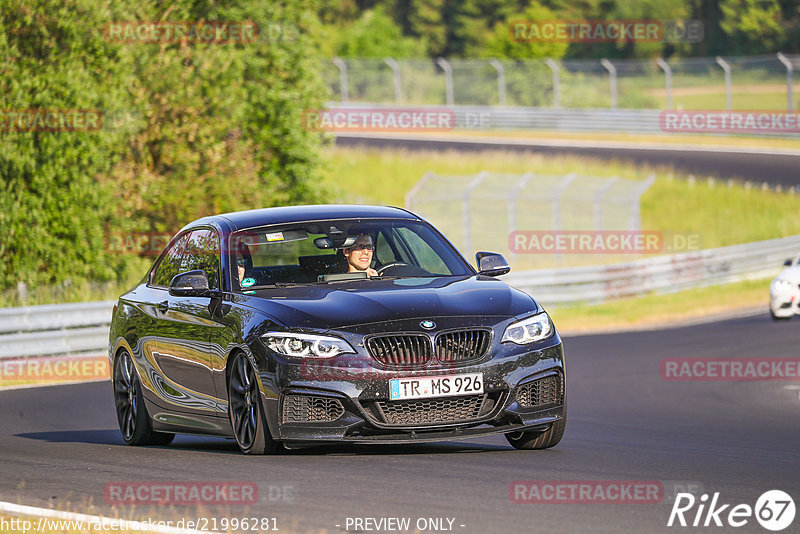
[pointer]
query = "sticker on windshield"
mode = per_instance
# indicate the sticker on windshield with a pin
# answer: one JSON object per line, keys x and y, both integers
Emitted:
{"x": 277, "y": 236}
{"x": 247, "y": 282}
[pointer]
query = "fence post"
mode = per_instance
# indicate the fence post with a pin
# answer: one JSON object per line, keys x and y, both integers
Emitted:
{"x": 598, "y": 202}
{"x": 342, "y": 66}
{"x": 612, "y": 80}
{"x": 411, "y": 195}
{"x": 789, "y": 69}
{"x": 448, "y": 79}
{"x": 727, "y": 68}
{"x": 465, "y": 217}
{"x": 398, "y": 81}
{"x": 501, "y": 81}
{"x": 636, "y": 214}
{"x": 556, "y": 81}
{"x": 512, "y": 204}
{"x": 667, "y": 80}
{"x": 557, "y": 194}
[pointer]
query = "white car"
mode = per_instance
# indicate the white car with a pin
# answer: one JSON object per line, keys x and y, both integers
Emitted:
{"x": 784, "y": 291}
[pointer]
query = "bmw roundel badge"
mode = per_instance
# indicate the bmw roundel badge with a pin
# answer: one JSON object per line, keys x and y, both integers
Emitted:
{"x": 428, "y": 325}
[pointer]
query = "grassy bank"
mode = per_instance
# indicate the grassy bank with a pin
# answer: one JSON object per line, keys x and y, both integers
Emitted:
{"x": 722, "y": 214}
{"x": 657, "y": 310}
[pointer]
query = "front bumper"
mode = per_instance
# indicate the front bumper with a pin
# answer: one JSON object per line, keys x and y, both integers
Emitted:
{"x": 348, "y": 404}
{"x": 785, "y": 303}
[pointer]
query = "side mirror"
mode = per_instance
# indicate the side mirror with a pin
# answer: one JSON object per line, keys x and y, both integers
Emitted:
{"x": 189, "y": 284}
{"x": 491, "y": 264}
{"x": 788, "y": 263}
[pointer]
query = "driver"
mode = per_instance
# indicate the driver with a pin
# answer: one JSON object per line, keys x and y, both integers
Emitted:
{"x": 359, "y": 256}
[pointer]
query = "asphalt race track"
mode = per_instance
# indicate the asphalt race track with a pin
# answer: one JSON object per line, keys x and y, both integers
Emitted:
{"x": 60, "y": 446}
{"x": 773, "y": 168}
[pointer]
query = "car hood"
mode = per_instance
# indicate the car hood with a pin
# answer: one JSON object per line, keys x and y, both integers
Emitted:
{"x": 337, "y": 305}
{"x": 792, "y": 274}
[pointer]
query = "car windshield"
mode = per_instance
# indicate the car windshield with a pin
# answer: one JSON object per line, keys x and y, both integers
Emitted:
{"x": 330, "y": 251}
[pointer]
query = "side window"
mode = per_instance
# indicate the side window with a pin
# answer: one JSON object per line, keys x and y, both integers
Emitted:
{"x": 383, "y": 252}
{"x": 425, "y": 255}
{"x": 202, "y": 252}
{"x": 170, "y": 263}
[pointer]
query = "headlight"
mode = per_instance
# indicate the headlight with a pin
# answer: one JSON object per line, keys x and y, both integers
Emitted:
{"x": 782, "y": 285}
{"x": 306, "y": 345}
{"x": 529, "y": 330}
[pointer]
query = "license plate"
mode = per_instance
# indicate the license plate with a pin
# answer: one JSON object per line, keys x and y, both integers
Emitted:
{"x": 423, "y": 387}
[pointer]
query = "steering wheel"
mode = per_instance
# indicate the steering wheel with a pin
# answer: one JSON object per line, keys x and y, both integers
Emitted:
{"x": 392, "y": 264}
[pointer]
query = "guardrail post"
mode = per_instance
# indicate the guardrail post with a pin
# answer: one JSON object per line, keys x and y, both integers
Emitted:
{"x": 342, "y": 66}
{"x": 789, "y": 68}
{"x": 612, "y": 80}
{"x": 556, "y": 81}
{"x": 465, "y": 216}
{"x": 501, "y": 81}
{"x": 448, "y": 79}
{"x": 22, "y": 292}
{"x": 667, "y": 80}
{"x": 598, "y": 202}
{"x": 727, "y": 68}
{"x": 398, "y": 80}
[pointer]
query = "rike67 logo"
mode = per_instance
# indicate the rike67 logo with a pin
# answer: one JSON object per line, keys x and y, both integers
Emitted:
{"x": 774, "y": 510}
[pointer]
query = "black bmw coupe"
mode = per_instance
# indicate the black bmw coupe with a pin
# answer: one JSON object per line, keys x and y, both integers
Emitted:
{"x": 285, "y": 327}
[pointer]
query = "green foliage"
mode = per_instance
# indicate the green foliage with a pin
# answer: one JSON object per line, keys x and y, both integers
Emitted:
{"x": 503, "y": 43}
{"x": 375, "y": 35}
{"x": 201, "y": 128}
{"x": 753, "y": 25}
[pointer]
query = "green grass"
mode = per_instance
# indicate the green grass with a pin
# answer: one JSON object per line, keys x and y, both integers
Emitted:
{"x": 721, "y": 214}
{"x": 655, "y": 310}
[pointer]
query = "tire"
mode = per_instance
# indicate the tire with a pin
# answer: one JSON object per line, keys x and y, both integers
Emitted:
{"x": 134, "y": 422}
{"x": 539, "y": 439}
{"x": 246, "y": 411}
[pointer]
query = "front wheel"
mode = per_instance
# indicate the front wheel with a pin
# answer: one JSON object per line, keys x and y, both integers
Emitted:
{"x": 134, "y": 423}
{"x": 538, "y": 439}
{"x": 246, "y": 411}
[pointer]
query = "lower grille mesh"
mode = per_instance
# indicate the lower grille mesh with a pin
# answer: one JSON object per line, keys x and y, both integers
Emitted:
{"x": 309, "y": 409}
{"x": 541, "y": 392}
{"x": 434, "y": 411}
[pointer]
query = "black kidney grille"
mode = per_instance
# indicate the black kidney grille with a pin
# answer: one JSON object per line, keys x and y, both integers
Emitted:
{"x": 462, "y": 345}
{"x": 542, "y": 392}
{"x": 401, "y": 350}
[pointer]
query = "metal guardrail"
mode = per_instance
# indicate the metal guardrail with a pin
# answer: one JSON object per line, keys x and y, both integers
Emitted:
{"x": 660, "y": 274}
{"x": 71, "y": 328}
{"x": 54, "y": 329}
{"x": 630, "y": 121}
{"x": 642, "y": 121}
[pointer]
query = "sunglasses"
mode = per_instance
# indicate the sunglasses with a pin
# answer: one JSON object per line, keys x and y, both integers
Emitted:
{"x": 362, "y": 247}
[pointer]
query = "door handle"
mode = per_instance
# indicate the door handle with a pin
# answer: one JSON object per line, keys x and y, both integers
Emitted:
{"x": 163, "y": 306}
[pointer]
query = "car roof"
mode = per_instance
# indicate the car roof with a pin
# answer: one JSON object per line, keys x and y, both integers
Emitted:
{"x": 238, "y": 220}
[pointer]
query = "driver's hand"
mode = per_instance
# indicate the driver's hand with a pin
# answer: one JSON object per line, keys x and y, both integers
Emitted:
{"x": 371, "y": 272}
